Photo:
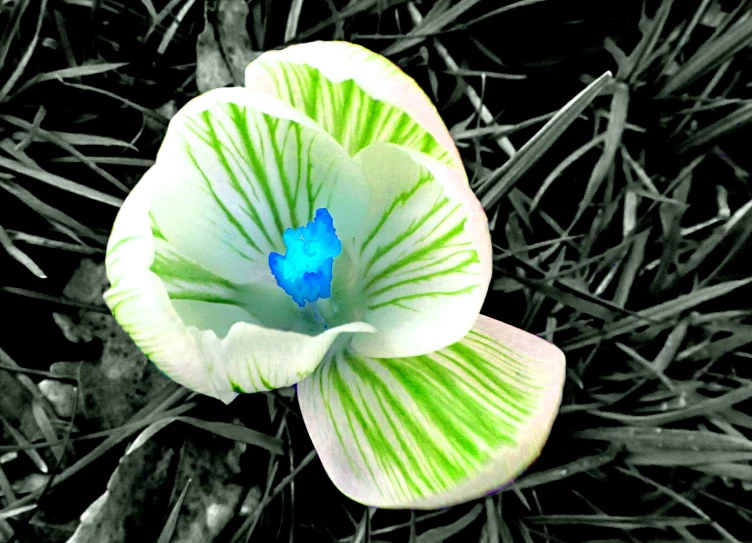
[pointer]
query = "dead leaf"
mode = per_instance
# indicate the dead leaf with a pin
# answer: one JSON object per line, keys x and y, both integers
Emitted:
{"x": 224, "y": 48}
{"x": 122, "y": 380}
{"x": 143, "y": 489}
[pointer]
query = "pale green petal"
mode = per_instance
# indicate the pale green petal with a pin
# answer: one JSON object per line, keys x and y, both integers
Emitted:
{"x": 424, "y": 254}
{"x": 241, "y": 167}
{"x": 357, "y": 96}
{"x": 435, "y": 430}
{"x": 203, "y": 338}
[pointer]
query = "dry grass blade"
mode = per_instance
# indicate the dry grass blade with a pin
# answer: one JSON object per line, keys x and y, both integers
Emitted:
{"x": 741, "y": 335}
{"x": 709, "y": 135}
{"x": 63, "y": 144}
{"x": 433, "y": 23}
{"x": 19, "y": 255}
{"x": 563, "y": 165}
{"x": 622, "y": 522}
{"x": 616, "y": 123}
{"x": 437, "y": 535}
{"x": 161, "y": 119}
{"x": 159, "y": 17}
{"x": 69, "y": 73}
{"x": 658, "y": 313}
{"x": 629, "y": 272}
{"x": 741, "y": 472}
{"x": 15, "y": 511}
{"x": 60, "y": 182}
{"x": 253, "y": 516}
{"x": 685, "y": 458}
{"x": 710, "y": 55}
{"x": 715, "y": 239}
{"x": 682, "y": 500}
{"x": 350, "y": 10}
{"x": 23, "y": 443}
{"x": 151, "y": 10}
{"x": 238, "y": 433}
{"x": 21, "y": 66}
{"x": 668, "y": 438}
{"x": 651, "y": 31}
{"x": 498, "y": 11}
{"x": 703, "y": 408}
{"x": 11, "y": 29}
{"x": 500, "y": 182}
{"x": 492, "y": 520}
{"x": 50, "y": 213}
{"x": 6, "y": 489}
{"x": 674, "y": 340}
{"x": 498, "y": 130}
{"x": 478, "y": 105}
{"x": 580, "y": 465}
{"x": 155, "y": 409}
{"x": 172, "y": 521}
{"x": 73, "y": 138}
{"x": 45, "y": 426}
{"x": 172, "y": 30}
{"x": 293, "y": 17}
{"x": 53, "y": 244}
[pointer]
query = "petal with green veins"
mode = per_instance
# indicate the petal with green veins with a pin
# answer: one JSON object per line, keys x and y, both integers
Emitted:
{"x": 357, "y": 96}
{"x": 439, "y": 429}
{"x": 424, "y": 254}
{"x": 192, "y": 323}
{"x": 241, "y": 168}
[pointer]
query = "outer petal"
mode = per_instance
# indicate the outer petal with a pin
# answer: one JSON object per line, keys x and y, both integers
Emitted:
{"x": 240, "y": 168}
{"x": 425, "y": 254}
{"x": 435, "y": 430}
{"x": 233, "y": 353}
{"x": 356, "y": 95}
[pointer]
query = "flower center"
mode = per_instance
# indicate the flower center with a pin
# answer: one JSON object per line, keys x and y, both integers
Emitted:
{"x": 305, "y": 271}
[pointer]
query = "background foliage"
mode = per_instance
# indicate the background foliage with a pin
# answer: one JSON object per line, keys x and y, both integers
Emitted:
{"x": 622, "y": 234}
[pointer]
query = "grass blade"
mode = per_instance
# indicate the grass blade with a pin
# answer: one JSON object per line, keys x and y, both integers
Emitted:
{"x": 501, "y": 181}
{"x": 167, "y": 532}
{"x": 19, "y": 255}
{"x": 60, "y": 182}
{"x": 657, "y": 313}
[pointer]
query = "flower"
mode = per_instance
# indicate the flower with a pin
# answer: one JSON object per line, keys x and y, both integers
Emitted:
{"x": 317, "y": 227}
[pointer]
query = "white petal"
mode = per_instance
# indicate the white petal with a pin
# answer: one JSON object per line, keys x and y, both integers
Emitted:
{"x": 435, "y": 430}
{"x": 424, "y": 254}
{"x": 358, "y": 96}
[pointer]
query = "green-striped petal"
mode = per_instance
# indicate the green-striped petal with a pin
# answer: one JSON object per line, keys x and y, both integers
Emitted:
{"x": 240, "y": 168}
{"x": 192, "y": 323}
{"x": 439, "y": 429}
{"x": 424, "y": 254}
{"x": 357, "y": 96}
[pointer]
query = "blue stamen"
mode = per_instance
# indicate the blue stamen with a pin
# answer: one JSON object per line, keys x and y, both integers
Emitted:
{"x": 305, "y": 272}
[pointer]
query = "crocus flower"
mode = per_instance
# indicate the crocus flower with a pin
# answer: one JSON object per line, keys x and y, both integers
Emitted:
{"x": 317, "y": 227}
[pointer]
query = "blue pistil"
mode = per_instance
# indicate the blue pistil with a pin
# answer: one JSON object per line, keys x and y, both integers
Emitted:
{"x": 305, "y": 272}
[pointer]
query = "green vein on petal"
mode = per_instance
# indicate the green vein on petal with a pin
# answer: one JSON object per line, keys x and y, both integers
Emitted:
{"x": 205, "y": 332}
{"x": 437, "y": 429}
{"x": 424, "y": 254}
{"x": 242, "y": 167}
{"x": 357, "y": 96}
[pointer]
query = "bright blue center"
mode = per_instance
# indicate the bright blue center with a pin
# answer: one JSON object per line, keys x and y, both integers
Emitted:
{"x": 305, "y": 272}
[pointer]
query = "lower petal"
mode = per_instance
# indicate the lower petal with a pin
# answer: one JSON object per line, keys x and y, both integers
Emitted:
{"x": 434, "y": 430}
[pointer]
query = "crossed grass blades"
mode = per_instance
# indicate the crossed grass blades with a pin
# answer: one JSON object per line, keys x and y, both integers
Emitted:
{"x": 620, "y": 224}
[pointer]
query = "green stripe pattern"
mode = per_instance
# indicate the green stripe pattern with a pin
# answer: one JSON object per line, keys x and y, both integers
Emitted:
{"x": 239, "y": 177}
{"x": 414, "y": 427}
{"x": 346, "y": 111}
{"x": 418, "y": 262}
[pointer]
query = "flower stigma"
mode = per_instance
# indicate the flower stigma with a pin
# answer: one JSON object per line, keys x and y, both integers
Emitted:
{"x": 305, "y": 271}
